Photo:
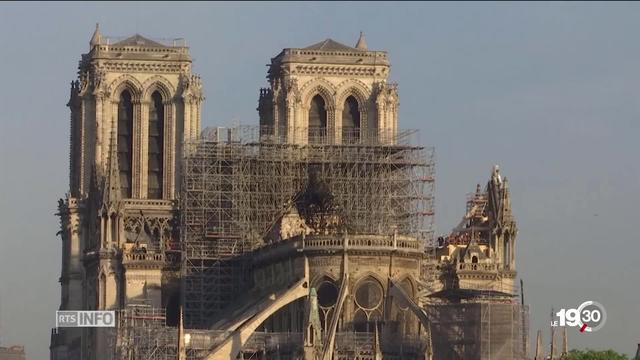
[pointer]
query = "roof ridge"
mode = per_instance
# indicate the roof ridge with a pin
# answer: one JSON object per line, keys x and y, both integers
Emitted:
{"x": 139, "y": 40}
{"x": 329, "y": 44}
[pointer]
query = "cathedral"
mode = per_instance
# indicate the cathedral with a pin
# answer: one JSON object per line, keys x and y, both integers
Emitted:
{"x": 305, "y": 236}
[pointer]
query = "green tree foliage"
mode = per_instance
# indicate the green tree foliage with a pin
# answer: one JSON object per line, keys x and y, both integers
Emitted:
{"x": 594, "y": 355}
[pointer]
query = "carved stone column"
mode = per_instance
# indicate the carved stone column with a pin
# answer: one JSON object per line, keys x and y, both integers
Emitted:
{"x": 120, "y": 229}
{"x": 107, "y": 233}
{"x": 85, "y": 148}
{"x": 301, "y": 124}
{"x": 169, "y": 146}
{"x": 290, "y": 114}
{"x": 382, "y": 135}
{"x": 114, "y": 122}
{"x": 136, "y": 163}
{"x": 187, "y": 118}
{"x": 192, "y": 116}
{"x": 338, "y": 125}
{"x": 364, "y": 134}
{"x": 392, "y": 120}
{"x": 100, "y": 133}
{"x": 395, "y": 119}
{"x": 195, "y": 126}
{"x": 331, "y": 124}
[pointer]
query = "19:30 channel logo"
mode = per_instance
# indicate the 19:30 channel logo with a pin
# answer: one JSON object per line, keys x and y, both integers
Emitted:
{"x": 590, "y": 316}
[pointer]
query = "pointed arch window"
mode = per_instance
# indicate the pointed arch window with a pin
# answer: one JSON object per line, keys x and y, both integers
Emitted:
{"x": 156, "y": 146}
{"x": 125, "y": 142}
{"x": 350, "y": 121}
{"x": 317, "y": 120}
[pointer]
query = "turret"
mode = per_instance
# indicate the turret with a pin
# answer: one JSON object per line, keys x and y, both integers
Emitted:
{"x": 313, "y": 328}
{"x": 362, "y": 43}
{"x": 539, "y": 352}
{"x": 96, "y": 38}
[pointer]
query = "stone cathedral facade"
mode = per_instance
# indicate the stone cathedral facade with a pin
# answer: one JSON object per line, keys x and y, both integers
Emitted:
{"x": 134, "y": 103}
{"x": 308, "y": 238}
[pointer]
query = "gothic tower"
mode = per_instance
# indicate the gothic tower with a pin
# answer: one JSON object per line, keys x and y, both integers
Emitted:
{"x": 504, "y": 225}
{"x": 329, "y": 93}
{"x": 134, "y": 104}
{"x": 483, "y": 245}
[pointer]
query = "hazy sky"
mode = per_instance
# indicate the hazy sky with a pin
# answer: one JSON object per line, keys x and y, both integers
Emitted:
{"x": 551, "y": 92}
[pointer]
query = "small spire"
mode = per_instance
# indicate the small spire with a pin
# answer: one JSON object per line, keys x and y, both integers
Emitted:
{"x": 313, "y": 335}
{"x": 377, "y": 355}
{"x": 362, "y": 43}
{"x": 96, "y": 39}
{"x": 111, "y": 194}
{"x": 539, "y": 355}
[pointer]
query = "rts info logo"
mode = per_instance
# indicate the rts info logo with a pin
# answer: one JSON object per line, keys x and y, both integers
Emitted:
{"x": 94, "y": 318}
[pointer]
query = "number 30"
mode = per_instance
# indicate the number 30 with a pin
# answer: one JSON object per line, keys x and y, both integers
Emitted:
{"x": 589, "y": 316}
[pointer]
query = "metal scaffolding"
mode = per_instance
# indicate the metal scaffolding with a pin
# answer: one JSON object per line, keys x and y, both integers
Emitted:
{"x": 238, "y": 182}
{"x": 141, "y": 333}
{"x": 487, "y": 330}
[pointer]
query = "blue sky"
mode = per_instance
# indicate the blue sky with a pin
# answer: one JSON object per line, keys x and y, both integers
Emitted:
{"x": 550, "y": 91}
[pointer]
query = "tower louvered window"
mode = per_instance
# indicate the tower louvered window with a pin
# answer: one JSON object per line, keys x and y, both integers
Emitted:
{"x": 317, "y": 120}
{"x": 156, "y": 146}
{"x": 125, "y": 142}
{"x": 350, "y": 121}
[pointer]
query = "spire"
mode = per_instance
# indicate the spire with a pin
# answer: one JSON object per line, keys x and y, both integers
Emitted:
{"x": 96, "y": 39}
{"x": 565, "y": 343}
{"x": 362, "y": 43}
{"x": 111, "y": 191}
{"x": 313, "y": 335}
{"x": 377, "y": 355}
{"x": 539, "y": 355}
{"x": 313, "y": 328}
